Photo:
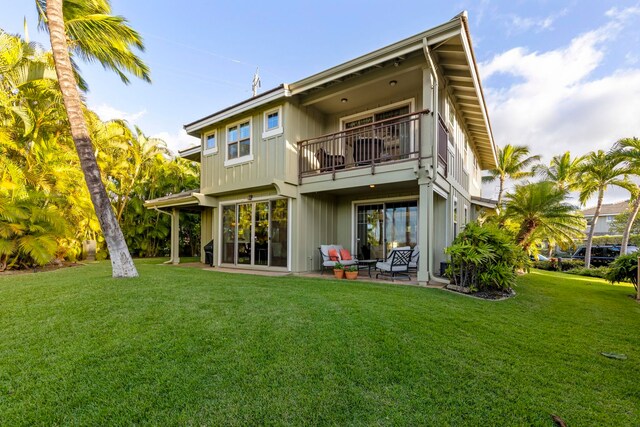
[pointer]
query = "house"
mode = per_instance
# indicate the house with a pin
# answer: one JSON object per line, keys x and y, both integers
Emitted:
{"x": 607, "y": 213}
{"x": 383, "y": 151}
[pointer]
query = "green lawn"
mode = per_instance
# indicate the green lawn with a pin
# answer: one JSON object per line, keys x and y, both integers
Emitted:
{"x": 184, "y": 346}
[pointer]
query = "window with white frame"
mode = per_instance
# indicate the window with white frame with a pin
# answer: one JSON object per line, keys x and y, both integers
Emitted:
{"x": 455, "y": 216}
{"x": 272, "y": 122}
{"x": 210, "y": 143}
{"x": 238, "y": 143}
{"x": 466, "y": 214}
{"x": 465, "y": 162}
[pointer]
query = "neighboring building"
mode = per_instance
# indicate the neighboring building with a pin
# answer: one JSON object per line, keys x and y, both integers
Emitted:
{"x": 384, "y": 150}
{"x": 607, "y": 213}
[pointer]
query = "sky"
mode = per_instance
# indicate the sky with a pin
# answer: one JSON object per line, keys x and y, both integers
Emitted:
{"x": 557, "y": 75}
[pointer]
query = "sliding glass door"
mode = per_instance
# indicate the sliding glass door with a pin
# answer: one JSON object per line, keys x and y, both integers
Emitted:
{"x": 255, "y": 233}
{"x": 383, "y": 226}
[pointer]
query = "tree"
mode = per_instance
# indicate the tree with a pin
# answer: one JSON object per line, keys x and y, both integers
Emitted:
{"x": 599, "y": 171}
{"x": 542, "y": 211}
{"x": 619, "y": 223}
{"x": 513, "y": 163}
{"x": 562, "y": 170}
{"x": 94, "y": 35}
{"x": 628, "y": 150}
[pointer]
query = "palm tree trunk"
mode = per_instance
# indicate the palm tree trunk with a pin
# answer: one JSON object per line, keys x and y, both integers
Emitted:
{"x": 121, "y": 262}
{"x": 630, "y": 220}
{"x": 500, "y": 192}
{"x": 587, "y": 253}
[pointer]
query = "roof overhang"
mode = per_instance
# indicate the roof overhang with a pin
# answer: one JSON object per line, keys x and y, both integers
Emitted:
{"x": 195, "y": 128}
{"x": 485, "y": 203}
{"x": 450, "y": 43}
{"x": 458, "y": 65}
{"x": 186, "y": 199}
{"x": 191, "y": 153}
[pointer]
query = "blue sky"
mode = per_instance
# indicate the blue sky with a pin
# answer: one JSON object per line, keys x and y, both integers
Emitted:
{"x": 558, "y": 75}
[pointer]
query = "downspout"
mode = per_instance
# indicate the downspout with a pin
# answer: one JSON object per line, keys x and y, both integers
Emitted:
{"x": 433, "y": 109}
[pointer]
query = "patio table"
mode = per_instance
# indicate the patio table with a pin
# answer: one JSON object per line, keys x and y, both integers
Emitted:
{"x": 366, "y": 263}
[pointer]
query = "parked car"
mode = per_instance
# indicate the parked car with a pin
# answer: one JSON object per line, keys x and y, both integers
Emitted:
{"x": 539, "y": 257}
{"x": 601, "y": 255}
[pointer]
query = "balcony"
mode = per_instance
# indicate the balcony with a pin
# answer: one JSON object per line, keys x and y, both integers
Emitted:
{"x": 367, "y": 145}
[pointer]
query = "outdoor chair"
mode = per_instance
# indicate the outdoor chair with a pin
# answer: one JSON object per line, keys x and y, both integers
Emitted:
{"x": 329, "y": 263}
{"x": 396, "y": 264}
{"x": 415, "y": 257}
{"x": 208, "y": 253}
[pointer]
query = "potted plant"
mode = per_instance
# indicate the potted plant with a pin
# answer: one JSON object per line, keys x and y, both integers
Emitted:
{"x": 351, "y": 273}
{"x": 338, "y": 270}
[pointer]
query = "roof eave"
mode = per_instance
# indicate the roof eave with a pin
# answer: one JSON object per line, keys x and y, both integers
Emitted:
{"x": 275, "y": 94}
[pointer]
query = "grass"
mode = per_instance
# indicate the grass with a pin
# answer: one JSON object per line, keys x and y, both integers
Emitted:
{"x": 183, "y": 346}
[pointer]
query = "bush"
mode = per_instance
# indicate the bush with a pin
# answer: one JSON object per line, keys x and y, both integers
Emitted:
{"x": 570, "y": 264}
{"x": 624, "y": 269}
{"x": 600, "y": 272}
{"x": 550, "y": 265}
{"x": 485, "y": 258}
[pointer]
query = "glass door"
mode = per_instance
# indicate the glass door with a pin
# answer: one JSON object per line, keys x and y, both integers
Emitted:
{"x": 244, "y": 243}
{"x": 255, "y": 233}
{"x": 228, "y": 234}
{"x": 401, "y": 224}
{"x": 279, "y": 236}
{"x": 370, "y": 231}
{"x": 384, "y": 226}
{"x": 261, "y": 234}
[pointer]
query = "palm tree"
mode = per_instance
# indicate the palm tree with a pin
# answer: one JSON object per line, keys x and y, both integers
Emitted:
{"x": 541, "y": 210}
{"x": 513, "y": 162}
{"x": 94, "y": 35}
{"x": 562, "y": 170}
{"x": 597, "y": 173}
{"x": 628, "y": 150}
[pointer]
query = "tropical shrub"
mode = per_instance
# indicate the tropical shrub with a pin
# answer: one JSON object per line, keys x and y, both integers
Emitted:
{"x": 600, "y": 272}
{"x": 570, "y": 264}
{"x": 485, "y": 257}
{"x": 624, "y": 269}
{"x": 546, "y": 265}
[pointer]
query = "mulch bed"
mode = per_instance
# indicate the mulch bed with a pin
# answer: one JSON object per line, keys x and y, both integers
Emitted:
{"x": 488, "y": 295}
{"x": 48, "y": 267}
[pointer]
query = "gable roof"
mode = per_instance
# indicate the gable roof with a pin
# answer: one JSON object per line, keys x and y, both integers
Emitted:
{"x": 608, "y": 209}
{"x": 448, "y": 43}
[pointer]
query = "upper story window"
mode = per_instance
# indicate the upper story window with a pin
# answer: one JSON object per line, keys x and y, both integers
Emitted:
{"x": 272, "y": 123}
{"x": 210, "y": 143}
{"x": 465, "y": 161}
{"x": 239, "y": 143}
{"x": 455, "y": 216}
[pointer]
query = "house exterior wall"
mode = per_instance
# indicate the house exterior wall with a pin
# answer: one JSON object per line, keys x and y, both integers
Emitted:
{"x": 314, "y": 219}
{"x": 603, "y": 224}
{"x": 274, "y": 157}
{"x": 207, "y": 230}
{"x": 321, "y": 203}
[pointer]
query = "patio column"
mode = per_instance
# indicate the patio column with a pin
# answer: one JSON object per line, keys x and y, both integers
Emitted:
{"x": 175, "y": 236}
{"x": 426, "y": 228}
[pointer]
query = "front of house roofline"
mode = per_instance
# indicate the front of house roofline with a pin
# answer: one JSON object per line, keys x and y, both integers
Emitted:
{"x": 449, "y": 43}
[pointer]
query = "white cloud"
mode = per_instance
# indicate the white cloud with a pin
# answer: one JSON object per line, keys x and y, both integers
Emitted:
{"x": 178, "y": 140}
{"x": 556, "y": 104}
{"x": 107, "y": 112}
{"x": 518, "y": 23}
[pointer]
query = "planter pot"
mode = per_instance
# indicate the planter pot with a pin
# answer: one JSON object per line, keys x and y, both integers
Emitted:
{"x": 351, "y": 275}
{"x": 338, "y": 273}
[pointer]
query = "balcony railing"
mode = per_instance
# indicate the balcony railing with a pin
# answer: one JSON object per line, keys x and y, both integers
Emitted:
{"x": 366, "y": 146}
